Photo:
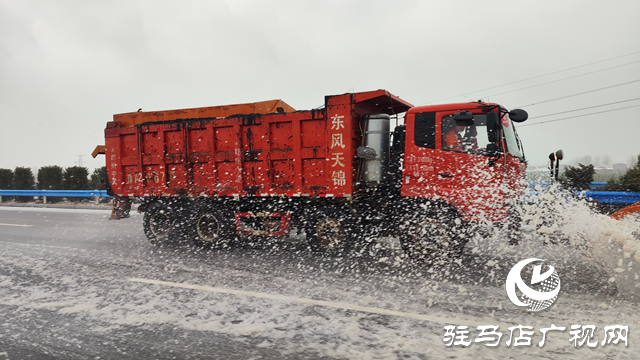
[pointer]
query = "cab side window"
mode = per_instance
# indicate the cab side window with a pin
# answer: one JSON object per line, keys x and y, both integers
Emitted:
{"x": 425, "y": 130}
{"x": 451, "y": 139}
{"x": 462, "y": 137}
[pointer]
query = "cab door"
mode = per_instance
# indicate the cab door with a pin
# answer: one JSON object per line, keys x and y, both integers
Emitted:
{"x": 468, "y": 175}
{"x": 420, "y": 156}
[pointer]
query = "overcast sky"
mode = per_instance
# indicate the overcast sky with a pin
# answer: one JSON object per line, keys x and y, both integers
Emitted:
{"x": 67, "y": 66}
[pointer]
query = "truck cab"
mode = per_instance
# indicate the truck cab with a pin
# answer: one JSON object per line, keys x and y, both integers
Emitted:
{"x": 461, "y": 165}
{"x": 467, "y": 155}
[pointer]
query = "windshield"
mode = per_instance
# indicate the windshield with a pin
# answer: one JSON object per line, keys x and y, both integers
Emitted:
{"x": 513, "y": 146}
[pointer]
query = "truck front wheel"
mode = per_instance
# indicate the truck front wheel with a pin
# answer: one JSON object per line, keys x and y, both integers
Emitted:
{"x": 429, "y": 238}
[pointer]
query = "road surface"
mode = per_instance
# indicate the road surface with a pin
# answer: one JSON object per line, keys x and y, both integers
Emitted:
{"x": 74, "y": 285}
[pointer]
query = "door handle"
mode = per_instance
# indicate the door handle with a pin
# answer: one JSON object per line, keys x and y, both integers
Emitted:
{"x": 445, "y": 175}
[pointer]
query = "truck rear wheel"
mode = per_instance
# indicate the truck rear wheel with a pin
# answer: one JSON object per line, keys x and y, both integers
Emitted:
{"x": 429, "y": 238}
{"x": 327, "y": 231}
{"x": 157, "y": 223}
{"x": 210, "y": 226}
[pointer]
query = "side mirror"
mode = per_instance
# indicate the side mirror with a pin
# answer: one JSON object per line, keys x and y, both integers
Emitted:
{"x": 493, "y": 127}
{"x": 518, "y": 115}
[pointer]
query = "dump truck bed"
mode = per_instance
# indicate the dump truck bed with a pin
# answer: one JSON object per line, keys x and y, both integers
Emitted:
{"x": 297, "y": 153}
{"x": 260, "y": 107}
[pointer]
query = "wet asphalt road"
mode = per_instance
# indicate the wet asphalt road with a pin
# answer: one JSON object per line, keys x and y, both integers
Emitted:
{"x": 66, "y": 292}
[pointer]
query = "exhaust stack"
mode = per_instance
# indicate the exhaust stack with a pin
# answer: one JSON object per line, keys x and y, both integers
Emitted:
{"x": 374, "y": 153}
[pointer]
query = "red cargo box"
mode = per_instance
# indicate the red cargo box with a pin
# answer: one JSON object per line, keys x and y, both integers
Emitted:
{"x": 300, "y": 153}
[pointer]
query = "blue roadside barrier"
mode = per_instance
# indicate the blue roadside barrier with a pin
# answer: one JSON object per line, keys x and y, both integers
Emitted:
{"x": 612, "y": 197}
{"x": 96, "y": 194}
{"x": 605, "y": 197}
{"x": 59, "y": 193}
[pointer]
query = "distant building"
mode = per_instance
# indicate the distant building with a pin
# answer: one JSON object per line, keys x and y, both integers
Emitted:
{"x": 619, "y": 168}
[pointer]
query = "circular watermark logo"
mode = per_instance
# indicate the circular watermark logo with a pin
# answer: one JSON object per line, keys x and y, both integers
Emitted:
{"x": 544, "y": 287}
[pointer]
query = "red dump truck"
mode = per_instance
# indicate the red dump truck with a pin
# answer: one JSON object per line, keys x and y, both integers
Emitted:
{"x": 340, "y": 173}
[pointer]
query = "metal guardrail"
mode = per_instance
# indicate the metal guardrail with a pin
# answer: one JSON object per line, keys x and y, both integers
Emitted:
{"x": 96, "y": 194}
{"x": 59, "y": 193}
{"x": 607, "y": 197}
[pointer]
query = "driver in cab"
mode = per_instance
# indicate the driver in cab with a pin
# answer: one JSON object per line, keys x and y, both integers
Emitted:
{"x": 455, "y": 140}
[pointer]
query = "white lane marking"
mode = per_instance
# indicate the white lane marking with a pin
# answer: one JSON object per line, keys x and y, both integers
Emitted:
{"x": 15, "y": 225}
{"x": 332, "y": 304}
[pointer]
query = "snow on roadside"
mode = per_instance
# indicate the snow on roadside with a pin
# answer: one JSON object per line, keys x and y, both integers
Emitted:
{"x": 573, "y": 228}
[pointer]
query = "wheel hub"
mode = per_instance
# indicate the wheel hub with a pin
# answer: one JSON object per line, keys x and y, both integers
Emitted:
{"x": 160, "y": 224}
{"x": 330, "y": 233}
{"x": 208, "y": 227}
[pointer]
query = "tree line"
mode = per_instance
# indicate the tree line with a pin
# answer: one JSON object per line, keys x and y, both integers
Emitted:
{"x": 53, "y": 178}
{"x": 579, "y": 177}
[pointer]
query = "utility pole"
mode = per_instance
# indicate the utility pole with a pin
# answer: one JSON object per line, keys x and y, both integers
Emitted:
{"x": 79, "y": 162}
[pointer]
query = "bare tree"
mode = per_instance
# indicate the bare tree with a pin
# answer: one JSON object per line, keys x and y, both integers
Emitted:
{"x": 584, "y": 160}
{"x": 597, "y": 160}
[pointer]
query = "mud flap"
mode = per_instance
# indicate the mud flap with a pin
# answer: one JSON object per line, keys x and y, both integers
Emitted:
{"x": 121, "y": 208}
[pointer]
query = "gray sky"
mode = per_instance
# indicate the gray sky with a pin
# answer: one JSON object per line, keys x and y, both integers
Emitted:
{"x": 67, "y": 66}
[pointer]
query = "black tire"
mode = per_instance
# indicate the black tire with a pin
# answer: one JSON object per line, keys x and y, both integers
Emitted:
{"x": 514, "y": 222}
{"x": 328, "y": 230}
{"x": 210, "y": 225}
{"x": 158, "y": 223}
{"x": 514, "y": 227}
{"x": 432, "y": 237}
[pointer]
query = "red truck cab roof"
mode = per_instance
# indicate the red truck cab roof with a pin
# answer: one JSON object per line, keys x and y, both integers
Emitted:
{"x": 449, "y": 107}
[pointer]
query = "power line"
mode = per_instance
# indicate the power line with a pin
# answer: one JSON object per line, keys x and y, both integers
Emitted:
{"x": 563, "y": 79}
{"x": 585, "y": 108}
{"x": 538, "y": 76}
{"x": 581, "y": 93}
{"x": 577, "y": 116}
